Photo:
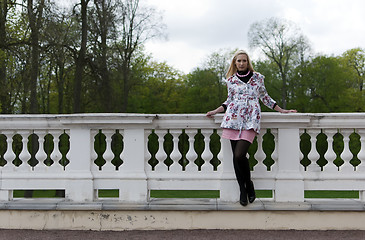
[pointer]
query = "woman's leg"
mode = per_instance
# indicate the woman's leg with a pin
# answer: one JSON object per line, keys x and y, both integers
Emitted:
{"x": 242, "y": 170}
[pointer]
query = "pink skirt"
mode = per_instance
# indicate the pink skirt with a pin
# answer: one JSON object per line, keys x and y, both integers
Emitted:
{"x": 248, "y": 135}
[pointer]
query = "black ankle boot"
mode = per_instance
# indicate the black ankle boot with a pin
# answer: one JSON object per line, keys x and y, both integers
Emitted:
{"x": 251, "y": 192}
{"x": 243, "y": 197}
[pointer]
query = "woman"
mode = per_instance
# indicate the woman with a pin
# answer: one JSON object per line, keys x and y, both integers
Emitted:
{"x": 241, "y": 122}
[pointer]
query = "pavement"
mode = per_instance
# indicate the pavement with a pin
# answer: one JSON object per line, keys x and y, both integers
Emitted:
{"x": 6, "y": 234}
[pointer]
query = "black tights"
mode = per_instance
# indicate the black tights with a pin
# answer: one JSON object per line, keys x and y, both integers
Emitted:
{"x": 240, "y": 162}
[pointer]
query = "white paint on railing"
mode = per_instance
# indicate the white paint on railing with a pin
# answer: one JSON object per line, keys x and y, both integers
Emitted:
{"x": 81, "y": 177}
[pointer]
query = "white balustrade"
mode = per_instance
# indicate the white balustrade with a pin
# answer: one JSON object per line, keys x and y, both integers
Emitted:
{"x": 24, "y": 156}
{"x": 108, "y": 154}
{"x": 361, "y": 153}
{"x": 81, "y": 177}
{"x": 260, "y": 154}
{"x": 274, "y": 154}
{"x": 191, "y": 155}
{"x": 206, "y": 154}
{"x": 161, "y": 154}
{"x": 313, "y": 155}
{"x": 175, "y": 154}
{"x": 346, "y": 154}
{"x": 41, "y": 155}
{"x": 56, "y": 155}
{"x": 330, "y": 154}
{"x": 147, "y": 154}
{"x": 9, "y": 155}
{"x": 93, "y": 154}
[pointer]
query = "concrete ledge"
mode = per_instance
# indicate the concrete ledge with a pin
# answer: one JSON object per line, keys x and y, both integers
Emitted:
{"x": 119, "y": 220}
{"x": 185, "y": 205}
{"x": 167, "y": 214}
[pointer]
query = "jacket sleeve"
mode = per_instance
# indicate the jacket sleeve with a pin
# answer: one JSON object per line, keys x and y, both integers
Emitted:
{"x": 264, "y": 96}
{"x": 229, "y": 97}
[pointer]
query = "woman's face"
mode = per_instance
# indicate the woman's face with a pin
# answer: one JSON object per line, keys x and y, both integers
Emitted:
{"x": 242, "y": 62}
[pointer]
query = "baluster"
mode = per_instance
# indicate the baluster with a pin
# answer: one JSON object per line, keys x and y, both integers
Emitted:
{"x": 206, "y": 154}
{"x": 301, "y": 155}
{"x": 56, "y": 155}
{"x": 108, "y": 154}
{"x": 274, "y": 154}
{"x": 220, "y": 154}
{"x": 330, "y": 154}
{"x": 67, "y": 132}
{"x": 93, "y": 154}
{"x": 122, "y": 154}
{"x": 24, "y": 156}
{"x": 191, "y": 155}
{"x": 41, "y": 155}
{"x": 175, "y": 154}
{"x": 313, "y": 155}
{"x": 147, "y": 154}
{"x": 346, "y": 154}
{"x": 361, "y": 154}
{"x": 260, "y": 154}
{"x": 161, "y": 154}
{"x": 9, "y": 155}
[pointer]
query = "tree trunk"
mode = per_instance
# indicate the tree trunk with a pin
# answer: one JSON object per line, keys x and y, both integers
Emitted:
{"x": 4, "y": 93}
{"x": 125, "y": 70}
{"x": 35, "y": 23}
{"x": 80, "y": 60}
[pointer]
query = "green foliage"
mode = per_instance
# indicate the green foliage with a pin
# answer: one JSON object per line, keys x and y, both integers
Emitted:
{"x": 202, "y": 91}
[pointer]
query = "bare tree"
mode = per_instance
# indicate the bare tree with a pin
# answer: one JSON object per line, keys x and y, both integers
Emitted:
{"x": 138, "y": 24}
{"x": 102, "y": 33}
{"x": 283, "y": 43}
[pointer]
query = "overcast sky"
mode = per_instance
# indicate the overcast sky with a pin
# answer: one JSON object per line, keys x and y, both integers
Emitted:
{"x": 196, "y": 28}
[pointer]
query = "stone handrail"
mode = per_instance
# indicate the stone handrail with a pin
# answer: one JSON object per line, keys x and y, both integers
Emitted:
{"x": 68, "y": 161}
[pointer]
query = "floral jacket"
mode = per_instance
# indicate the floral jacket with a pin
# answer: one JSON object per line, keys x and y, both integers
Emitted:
{"x": 243, "y": 107}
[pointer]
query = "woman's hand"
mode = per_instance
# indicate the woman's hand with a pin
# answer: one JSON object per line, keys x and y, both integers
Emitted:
{"x": 279, "y": 109}
{"x": 219, "y": 109}
{"x": 288, "y": 111}
{"x": 210, "y": 114}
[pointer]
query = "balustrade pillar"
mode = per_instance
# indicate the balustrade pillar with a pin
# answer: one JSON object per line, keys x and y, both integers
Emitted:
{"x": 79, "y": 186}
{"x": 361, "y": 156}
{"x": 133, "y": 176}
{"x": 289, "y": 179}
{"x": 229, "y": 185}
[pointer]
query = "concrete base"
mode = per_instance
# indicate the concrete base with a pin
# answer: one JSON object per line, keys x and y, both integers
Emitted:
{"x": 168, "y": 220}
{"x": 171, "y": 214}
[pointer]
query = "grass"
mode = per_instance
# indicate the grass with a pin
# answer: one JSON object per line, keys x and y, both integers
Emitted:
{"x": 108, "y": 193}
{"x": 184, "y": 194}
{"x": 114, "y": 193}
{"x": 36, "y": 193}
{"x": 331, "y": 194}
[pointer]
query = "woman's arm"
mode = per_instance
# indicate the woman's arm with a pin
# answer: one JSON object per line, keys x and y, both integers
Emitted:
{"x": 279, "y": 109}
{"x": 215, "y": 111}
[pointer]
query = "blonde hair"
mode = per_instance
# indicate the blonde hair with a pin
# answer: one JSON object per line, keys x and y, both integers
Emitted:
{"x": 233, "y": 69}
